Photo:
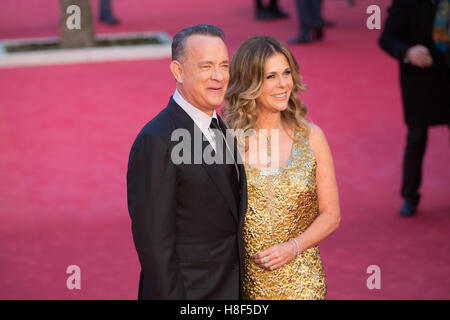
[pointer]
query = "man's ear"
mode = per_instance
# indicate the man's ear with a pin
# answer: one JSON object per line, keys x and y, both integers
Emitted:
{"x": 177, "y": 70}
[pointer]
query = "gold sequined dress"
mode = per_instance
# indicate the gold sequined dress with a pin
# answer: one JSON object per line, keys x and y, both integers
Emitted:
{"x": 282, "y": 203}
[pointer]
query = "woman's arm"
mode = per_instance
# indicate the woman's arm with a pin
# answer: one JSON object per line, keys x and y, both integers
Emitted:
{"x": 394, "y": 37}
{"x": 329, "y": 212}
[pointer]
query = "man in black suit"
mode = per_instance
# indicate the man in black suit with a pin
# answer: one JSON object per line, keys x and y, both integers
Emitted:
{"x": 425, "y": 84}
{"x": 187, "y": 215}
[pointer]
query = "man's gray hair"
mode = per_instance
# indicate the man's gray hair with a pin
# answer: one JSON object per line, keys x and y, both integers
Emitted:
{"x": 179, "y": 40}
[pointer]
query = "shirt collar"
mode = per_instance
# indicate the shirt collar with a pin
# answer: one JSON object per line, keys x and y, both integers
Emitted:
{"x": 201, "y": 119}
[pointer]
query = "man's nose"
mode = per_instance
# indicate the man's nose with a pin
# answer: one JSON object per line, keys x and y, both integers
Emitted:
{"x": 218, "y": 74}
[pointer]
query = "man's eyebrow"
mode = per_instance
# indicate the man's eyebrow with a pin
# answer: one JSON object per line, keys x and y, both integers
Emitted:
{"x": 210, "y": 62}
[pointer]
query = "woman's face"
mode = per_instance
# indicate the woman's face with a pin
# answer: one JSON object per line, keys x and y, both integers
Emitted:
{"x": 277, "y": 85}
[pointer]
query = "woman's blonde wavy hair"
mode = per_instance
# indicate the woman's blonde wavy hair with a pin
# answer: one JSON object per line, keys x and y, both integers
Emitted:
{"x": 246, "y": 80}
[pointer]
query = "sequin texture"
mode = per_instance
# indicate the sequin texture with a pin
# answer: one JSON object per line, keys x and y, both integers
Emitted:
{"x": 282, "y": 203}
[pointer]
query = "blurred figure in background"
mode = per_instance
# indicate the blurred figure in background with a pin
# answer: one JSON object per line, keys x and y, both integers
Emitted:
{"x": 325, "y": 23}
{"x": 272, "y": 11}
{"x": 106, "y": 14}
{"x": 416, "y": 34}
{"x": 311, "y": 22}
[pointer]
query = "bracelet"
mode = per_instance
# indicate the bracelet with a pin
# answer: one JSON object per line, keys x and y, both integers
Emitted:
{"x": 296, "y": 247}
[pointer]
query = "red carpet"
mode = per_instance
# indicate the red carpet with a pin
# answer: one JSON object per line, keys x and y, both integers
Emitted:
{"x": 65, "y": 134}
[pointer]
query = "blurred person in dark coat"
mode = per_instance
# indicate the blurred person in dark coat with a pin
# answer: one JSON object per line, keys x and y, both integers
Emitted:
{"x": 416, "y": 34}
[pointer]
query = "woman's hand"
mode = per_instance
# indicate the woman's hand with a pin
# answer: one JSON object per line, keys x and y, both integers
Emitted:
{"x": 276, "y": 256}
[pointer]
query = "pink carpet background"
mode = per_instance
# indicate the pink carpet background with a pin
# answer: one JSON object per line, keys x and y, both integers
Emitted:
{"x": 66, "y": 131}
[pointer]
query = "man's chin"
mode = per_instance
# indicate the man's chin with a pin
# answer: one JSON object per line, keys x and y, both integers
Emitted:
{"x": 215, "y": 103}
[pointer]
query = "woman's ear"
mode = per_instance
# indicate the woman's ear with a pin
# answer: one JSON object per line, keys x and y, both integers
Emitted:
{"x": 177, "y": 70}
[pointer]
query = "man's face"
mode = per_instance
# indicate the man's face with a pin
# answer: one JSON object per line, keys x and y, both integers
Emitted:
{"x": 204, "y": 72}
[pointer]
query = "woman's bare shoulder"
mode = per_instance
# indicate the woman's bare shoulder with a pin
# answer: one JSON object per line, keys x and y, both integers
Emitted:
{"x": 317, "y": 140}
{"x": 314, "y": 131}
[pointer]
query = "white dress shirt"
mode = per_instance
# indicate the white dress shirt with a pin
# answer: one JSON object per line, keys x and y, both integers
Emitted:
{"x": 201, "y": 119}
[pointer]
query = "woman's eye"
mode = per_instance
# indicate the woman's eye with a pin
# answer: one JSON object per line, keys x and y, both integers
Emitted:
{"x": 270, "y": 76}
{"x": 287, "y": 72}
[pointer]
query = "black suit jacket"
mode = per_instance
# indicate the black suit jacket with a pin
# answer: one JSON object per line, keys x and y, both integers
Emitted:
{"x": 425, "y": 92}
{"x": 186, "y": 222}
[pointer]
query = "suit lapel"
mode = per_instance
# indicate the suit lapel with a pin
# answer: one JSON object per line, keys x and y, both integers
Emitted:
{"x": 215, "y": 172}
{"x": 242, "y": 176}
{"x": 243, "y": 186}
{"x": 218, "y": 176}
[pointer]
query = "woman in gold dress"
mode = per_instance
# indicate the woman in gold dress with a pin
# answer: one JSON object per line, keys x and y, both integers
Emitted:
{"x": 293, "y": 201}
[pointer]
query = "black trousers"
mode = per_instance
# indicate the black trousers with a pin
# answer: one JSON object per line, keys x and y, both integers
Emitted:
{"x": 412, "y": 162}
{"x": 105, "y": 9}
{"x": 309, "y": 12}
{"x": 272, "y": 5}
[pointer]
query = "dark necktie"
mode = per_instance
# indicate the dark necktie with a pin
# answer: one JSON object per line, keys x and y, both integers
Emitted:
{"x": 230, "y": 168}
